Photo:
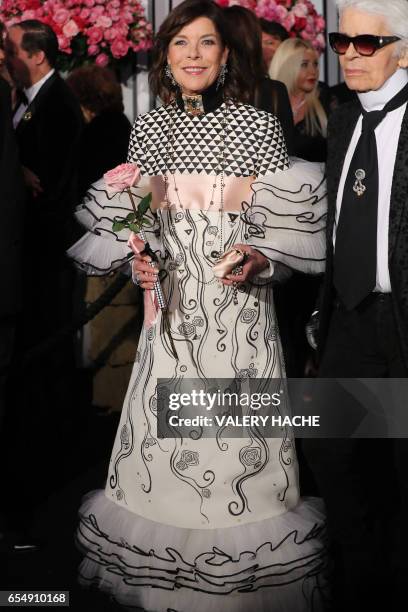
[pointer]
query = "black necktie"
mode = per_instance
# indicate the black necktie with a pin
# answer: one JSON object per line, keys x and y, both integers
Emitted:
{"x": 355, "y": 256}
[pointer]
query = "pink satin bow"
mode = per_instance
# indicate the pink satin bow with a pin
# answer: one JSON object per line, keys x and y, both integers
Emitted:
{"x": 151, "y": 306}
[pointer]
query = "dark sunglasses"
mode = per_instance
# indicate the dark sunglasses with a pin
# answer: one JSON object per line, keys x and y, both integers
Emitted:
{"x": 364, "y": 44}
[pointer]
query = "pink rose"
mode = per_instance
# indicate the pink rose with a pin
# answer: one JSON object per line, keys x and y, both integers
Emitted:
{"x": 102, "y": 60}
{"x": 70, "y": 29}
{"x": 29, "y": 14}
{"x": 93, "y": 50}
{"x": 110, "y": 34}
{"x": 320, "y": 23}
{"x": 122, "y": 28}
{"x": 281, "y": 13}
{"x": 89, "y": 3}
{"x": 289, "y": 21}
{"x": 94, "y": 35}
{"x": 84, "y": 14}
{"x": 300, "y": 10}
{"x": 122, "y": 177}
{"x": 96, "y": 12}
{"x": 104, "y": 22}
{"x": 320, "y": 42}
{"x": 119, "y": 47}
{"x": 64, "y": 44}
{"x": 61, "y": 16}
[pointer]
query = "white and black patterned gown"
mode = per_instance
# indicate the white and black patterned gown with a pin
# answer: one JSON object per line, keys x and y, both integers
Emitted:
{"x": 207, "y": 524}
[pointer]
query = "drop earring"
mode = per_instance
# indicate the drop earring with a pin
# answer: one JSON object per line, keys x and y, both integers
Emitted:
{"x": 221, "y": 76}
{"x": 170, "y": 76}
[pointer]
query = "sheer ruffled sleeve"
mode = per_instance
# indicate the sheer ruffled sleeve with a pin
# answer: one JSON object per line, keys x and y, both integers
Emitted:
{"x": 101, "y": 250}
{"x": 286, "y": 219}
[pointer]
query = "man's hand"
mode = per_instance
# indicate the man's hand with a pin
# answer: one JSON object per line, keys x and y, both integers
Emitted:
{"x": 144, "y": 274}
{"x": 32, "y": 181}
{"x": 255, "y": 263}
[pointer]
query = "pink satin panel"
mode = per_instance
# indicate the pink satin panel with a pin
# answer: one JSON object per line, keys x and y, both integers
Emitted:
{"x": 194, "y": 191}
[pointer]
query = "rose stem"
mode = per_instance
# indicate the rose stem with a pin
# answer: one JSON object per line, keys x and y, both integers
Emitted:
{"x": 132, "y": 201}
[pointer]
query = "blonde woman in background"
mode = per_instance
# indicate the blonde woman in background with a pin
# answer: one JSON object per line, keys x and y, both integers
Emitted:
{"x": 296, "y": 63}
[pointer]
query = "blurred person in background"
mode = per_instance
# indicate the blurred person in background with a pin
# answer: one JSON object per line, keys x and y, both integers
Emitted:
{"x": 4, "y": 73}
{"x": 264, "y": 93}
{"x": 108, "y": 342}
{"x": 296, "y": 63}
{"x": 106, "y": 133}
{"x": 48, "y": 124}
{"x": 273, "y": 34}
{"x": 11, "y": 240}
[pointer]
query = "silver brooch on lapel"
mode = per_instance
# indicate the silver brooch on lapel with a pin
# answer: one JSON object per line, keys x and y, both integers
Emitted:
{"x": 359, "y": 186}
{"x": 27, "y": 116}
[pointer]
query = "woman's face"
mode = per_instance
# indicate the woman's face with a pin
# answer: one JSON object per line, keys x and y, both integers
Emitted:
{"x": 195, "y": 55}
{"x": 309, "y": 72}
{"x": 269, "y": 45}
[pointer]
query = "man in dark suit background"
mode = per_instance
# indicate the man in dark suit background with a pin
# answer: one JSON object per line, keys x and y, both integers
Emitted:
{"x": 11, "y": 240}
{"x": 48, "y": 124}
{"x": 11, "y": 237}
{"x": 364, "y": 314}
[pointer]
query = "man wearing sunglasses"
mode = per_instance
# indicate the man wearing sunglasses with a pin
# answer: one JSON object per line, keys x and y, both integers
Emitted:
{"x": 364, "y": 315}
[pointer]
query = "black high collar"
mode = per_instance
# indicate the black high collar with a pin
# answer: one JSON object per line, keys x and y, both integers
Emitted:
{"x": 210, "y": 98}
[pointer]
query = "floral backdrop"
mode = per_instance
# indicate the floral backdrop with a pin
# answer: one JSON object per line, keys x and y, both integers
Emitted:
{"x": 298, "y": 17}
{"x": 89, "y": 31}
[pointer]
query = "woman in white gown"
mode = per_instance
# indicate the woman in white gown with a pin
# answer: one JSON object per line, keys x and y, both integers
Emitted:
{"x": 192, "y": 523}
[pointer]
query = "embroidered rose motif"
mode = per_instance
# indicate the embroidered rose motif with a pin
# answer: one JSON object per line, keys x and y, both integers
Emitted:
{"x": 206, "y": 493}
{"x": 150, "y": 442}
{"x": 248, "y": 315}
{"x": 250, "y": 456}
{"x": 181, "y": 465}
{"x": 189, "y": 457}
{"x": 250, "y": 372}
{"x": 119, "y": 495}
{"x": 186, "y": 329}
{"x": 198, "y": 321}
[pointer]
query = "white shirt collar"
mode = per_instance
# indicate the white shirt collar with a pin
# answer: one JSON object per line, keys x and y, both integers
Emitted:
{"x": 32, "y": 91}
{"x": 376, "y": 100}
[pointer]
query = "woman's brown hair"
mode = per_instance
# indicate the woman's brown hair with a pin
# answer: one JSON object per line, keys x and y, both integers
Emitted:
{"x": 182, "y": 15}
{"x": 96, "y": 89}
{"x": 245, "y": 31}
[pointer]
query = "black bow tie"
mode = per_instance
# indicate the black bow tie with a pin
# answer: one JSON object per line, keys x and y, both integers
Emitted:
{"x": 21, "y": 97}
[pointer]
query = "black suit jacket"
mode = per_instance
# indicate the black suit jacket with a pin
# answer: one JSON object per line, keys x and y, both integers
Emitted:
{"x": 341, "y": 127}
{"x": 48, "y": 138}
{"x": 11, "y": 209}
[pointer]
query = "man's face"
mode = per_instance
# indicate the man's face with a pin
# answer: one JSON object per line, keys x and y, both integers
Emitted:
{"x": 19, "y": 62}
{"x": 366, "y": 73}
{"x": 269, "y": 45}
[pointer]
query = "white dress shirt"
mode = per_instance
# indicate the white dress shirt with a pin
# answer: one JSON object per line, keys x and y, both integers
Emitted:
{"x": 30, "y": 92}
{"x": 387, "y": 137}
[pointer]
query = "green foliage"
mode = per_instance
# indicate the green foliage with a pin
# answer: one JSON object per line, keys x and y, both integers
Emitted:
{"x": 134, "y": 221}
